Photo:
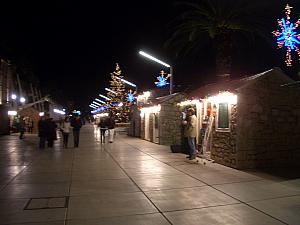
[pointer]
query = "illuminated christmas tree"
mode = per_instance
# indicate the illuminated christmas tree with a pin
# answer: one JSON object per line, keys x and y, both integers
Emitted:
{"x": 118, "y": 96}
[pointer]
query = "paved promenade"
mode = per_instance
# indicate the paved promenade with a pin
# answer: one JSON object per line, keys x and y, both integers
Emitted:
{"x": 134, "y": 182}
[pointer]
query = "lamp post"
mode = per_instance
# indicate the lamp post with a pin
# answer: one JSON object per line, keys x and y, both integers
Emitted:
{"x": 162, "y": 63}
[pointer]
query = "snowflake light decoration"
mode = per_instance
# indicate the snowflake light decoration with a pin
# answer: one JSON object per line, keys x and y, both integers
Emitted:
{"x": 162, "y": 80}
{"x": 130, "y": 96}
{"x": 288, "y": 36}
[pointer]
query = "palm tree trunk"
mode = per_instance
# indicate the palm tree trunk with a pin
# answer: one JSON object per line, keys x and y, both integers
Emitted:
{"x": 223, "y": 51}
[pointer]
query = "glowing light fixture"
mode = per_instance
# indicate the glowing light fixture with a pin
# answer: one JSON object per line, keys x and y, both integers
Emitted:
{"x": 59, "y": 111}
{"x": 22, "y": 99}
{"x": 107, "y": 89}
{"x": 12, "y": 113}
{"x": 13, "y": 96}
{"x": 126, "y": 81}
{"x": 144, "y": 96}
{"x": 224, "y": 97}
{"x": 41, "y": 114}
{"x": 153, "y": 58}
{"x": 152, "y": 109}
{"x": 103, "y": 102}
{"x": 189, "y": 102}
{"x": 93, "y": 106}
{"x": 103, "y": 96}
{"x": 96, "y": 103}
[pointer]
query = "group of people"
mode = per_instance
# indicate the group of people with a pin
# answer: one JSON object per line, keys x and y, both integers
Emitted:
{"x": 47, "y": 131}
{"x": 190, "y": 132}
{"x": 107, "y": 124}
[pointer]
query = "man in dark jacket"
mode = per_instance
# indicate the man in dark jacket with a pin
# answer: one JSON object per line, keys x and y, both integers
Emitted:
{"x": 42, "y": 129}
{"x": 76, "y": 124}
{"x": 51, "y": 132}
{"x": 111, "y": 127}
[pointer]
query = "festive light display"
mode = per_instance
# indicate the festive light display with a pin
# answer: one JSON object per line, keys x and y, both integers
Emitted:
{"x": 118, "y": 94}
{"x": 288, "y": 37}
{"x": 100, "y": 109}
{"x": 130, "y": 96}
{"x": 162, "y": 80}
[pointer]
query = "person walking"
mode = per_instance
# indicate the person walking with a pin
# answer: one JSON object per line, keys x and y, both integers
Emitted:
{"x": 66, "y": 127}
{"x": 21, "y": 127}
{"x": 51, "y": 132}
{"x": 103, "y": 128}
{"x": 76, "y": 124}
{"x": 111, "y": 127}
{"x": 191, "y": 132}
{"x": 42, "y": 132}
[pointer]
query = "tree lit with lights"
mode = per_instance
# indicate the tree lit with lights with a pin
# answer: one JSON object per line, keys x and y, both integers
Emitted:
{"x": 288, "y": 36}
{"x": 118, "y": 95}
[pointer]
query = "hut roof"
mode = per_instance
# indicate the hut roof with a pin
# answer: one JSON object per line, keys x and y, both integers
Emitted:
{"x": 233, "y": 85}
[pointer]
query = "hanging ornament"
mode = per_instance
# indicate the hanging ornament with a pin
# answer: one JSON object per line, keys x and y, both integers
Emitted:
{"x": 288, "y": 36}
{"x": 162, "y": 80}
{"x": 130, "y": 96}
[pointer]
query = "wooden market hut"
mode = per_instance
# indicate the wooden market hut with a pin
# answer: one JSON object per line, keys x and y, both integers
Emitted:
{"x": 250, "y": 122}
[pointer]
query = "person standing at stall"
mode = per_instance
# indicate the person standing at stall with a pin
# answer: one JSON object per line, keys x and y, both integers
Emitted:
{"x": 191, "y": 133}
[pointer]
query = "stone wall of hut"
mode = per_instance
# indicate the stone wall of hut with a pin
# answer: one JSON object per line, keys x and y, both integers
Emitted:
{"x": 170, "y": 122}
{"x": 268, "y": 132}
{"x": 223, "y": 143}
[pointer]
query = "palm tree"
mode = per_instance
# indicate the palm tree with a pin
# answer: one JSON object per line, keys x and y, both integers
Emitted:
{"x": 219, "y": 24}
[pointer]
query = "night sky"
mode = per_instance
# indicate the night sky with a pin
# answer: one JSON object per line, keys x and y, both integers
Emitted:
{"x": 74, "y": 45}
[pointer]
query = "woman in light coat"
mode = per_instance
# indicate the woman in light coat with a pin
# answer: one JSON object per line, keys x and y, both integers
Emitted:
{"x": 66, "y": 128}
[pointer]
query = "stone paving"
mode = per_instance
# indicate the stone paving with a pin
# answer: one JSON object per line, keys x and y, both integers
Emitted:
{"x": 134, "y": 182}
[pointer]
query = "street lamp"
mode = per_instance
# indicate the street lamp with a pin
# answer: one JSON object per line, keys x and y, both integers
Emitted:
{"x": 162, "y": 63}
{"x": 22, "y": 99}
{"x": 13, "y": 96}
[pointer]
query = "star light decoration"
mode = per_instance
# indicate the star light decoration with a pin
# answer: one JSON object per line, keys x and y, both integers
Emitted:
{"x": 130, "y": 96}
{"x": 162, "y": 80}
{"x": 288, "y": 36}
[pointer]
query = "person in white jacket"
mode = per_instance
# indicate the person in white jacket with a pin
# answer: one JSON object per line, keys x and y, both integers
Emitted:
{"x": 66, "y": 128}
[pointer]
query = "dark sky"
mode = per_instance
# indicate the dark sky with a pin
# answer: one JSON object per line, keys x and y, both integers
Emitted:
{"x": 74, "y": 44}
